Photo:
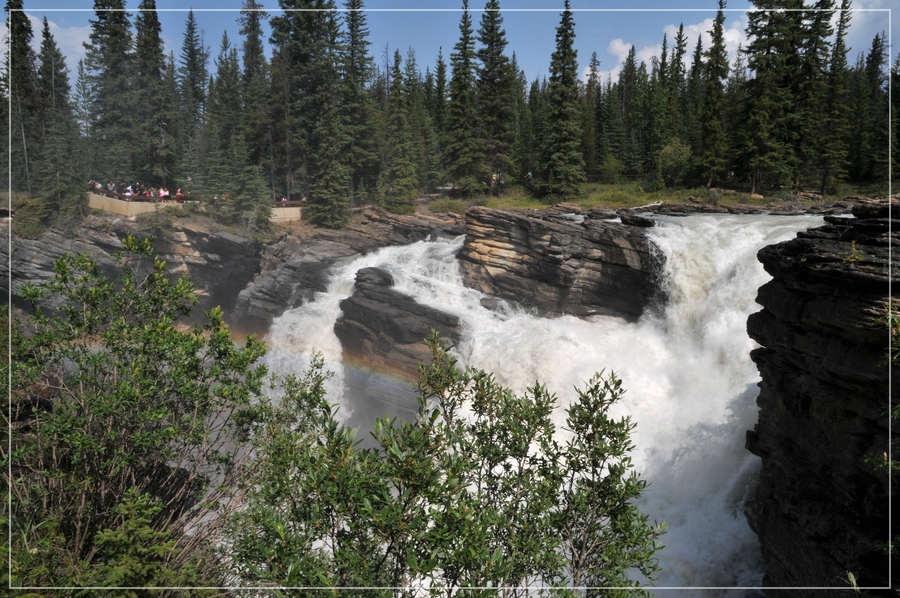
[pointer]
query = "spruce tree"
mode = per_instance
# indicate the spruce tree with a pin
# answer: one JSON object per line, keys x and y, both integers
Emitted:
{"x": 21, "y": 75}
{"x": 308, "y": 40}
{"x": 590, "y": 101}
{"x": 768, "y": 153}
{"x": 154, "y": 151}
{"x": 61, "y": 169}
{"x": 563, "y": 162}
{"x": 713, "y": 138}
{"x": 256, "y": 88}
{"x": 832, "y": 151}
{"x": 363, "y": 120}
{"x": 810, "y": 86}
{"x": 110, "y": 60}
{"x": 692, "y": 99}
{"x": 192, "y": 82}
{"x": 465, "y": 149}
{"x": 676, "y": 86}
{"x": 400, "y": 182}
{"x": 495, "y": 97}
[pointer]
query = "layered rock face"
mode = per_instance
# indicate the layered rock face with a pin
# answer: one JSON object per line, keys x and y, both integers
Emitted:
{"x": 821, "y": 508}
{"x": 560, "y": 262}
{"x": 219, "y": 264}
{"x": 294, "y": 269}
{"x": 382, "y": 332}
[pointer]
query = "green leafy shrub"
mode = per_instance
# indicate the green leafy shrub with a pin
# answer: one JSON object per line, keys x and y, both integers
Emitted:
{"x": 477, "y": 491}
{"x": 116, "y": 402}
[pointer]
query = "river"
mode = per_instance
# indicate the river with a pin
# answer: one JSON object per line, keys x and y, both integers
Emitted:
{"x": 691, "y": 385}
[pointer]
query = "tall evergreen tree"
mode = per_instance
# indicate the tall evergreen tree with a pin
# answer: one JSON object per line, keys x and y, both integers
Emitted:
{"x": 769, "y": 154}
{"x": 21, "y": 75}
{"x": 193, "y": 76}
{"x": 563, "y": 162}
{"x": 465, "y": 149}
{"x": 810, "y": 85}
{"x": 155, "y": 151}
{"x": 193, "y": 73}
{"x": 362, "y": 114}
{"x": 713, "y": 137}
{"x": 495, "y": 97}
{"x": 833, "y": 148}
{"x": 307, "y": 35}
{"x": 231, "y": 175}
{"x": 109, "y": 59}
{"x": 258, "y": 126}
{"x": 590, "y": 102}
{"x": 400, "y": 182}
{"x": 692, "y": 99}
{"x": 676, "y": 86}
{"x": 61, "y": 170}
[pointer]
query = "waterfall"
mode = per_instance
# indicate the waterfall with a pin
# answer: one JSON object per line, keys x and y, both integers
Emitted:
{"x": 691, "y": 385}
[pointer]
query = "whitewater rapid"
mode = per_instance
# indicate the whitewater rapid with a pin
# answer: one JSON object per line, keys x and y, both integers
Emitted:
{"x": 691, "y": 385}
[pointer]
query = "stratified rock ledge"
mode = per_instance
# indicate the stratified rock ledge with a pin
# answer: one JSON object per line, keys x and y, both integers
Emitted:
{"x": 821, "y": 508}
{"x": 560, "y": 262}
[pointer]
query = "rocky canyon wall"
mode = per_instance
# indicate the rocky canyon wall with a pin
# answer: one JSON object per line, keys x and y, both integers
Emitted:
{"x": 559, "y": 261}
{"x": 821, "y": 508}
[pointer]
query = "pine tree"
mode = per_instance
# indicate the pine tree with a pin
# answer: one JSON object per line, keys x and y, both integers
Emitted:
{"x": 494, "y": 89}
{"x": 400, "y": 182}
{"x": 713, "y": 137}
{"x": 308, "y": 40}
{"x": 691, "y": 99}
{"x": 768, "y": 154}
{"x": 363, "y": 120}
{"x": 563, "y": 162}
{"x": 155, "y": 151}
{"x": 590, "y": 101}
{"x": 61, "y": 169}
{"x": 110, "y": 63}
{"x": 465, "y": 149}
{"x": 193, "y": 76}
{"x": 832, "y": 150}
{"x": 810, "y": 85}
{"x": 676, "y": 86}
{"x": 21, "y": 75}
{"x": 257, "y": 88}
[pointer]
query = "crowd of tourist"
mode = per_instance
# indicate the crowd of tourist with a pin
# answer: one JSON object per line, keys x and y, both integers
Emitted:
{"x": 135, "y": 190}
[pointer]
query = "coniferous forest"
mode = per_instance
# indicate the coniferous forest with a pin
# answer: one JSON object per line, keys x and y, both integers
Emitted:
{"x": 308, "y": 114}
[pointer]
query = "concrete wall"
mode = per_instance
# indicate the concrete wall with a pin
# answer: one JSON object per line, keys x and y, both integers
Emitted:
{"x": 132, "y": 208}
{"x": 127, "y": 208}
{"x": 286, "y": 214}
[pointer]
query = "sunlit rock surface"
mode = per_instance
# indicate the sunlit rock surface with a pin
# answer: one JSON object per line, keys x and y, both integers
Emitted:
{"x": 560, "y": 262}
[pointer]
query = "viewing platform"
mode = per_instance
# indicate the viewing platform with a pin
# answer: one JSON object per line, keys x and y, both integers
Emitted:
{"x": 134, "y": 205}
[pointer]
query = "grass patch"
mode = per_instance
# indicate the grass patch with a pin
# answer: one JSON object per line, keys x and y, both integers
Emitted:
{"x": 28, "y": 221}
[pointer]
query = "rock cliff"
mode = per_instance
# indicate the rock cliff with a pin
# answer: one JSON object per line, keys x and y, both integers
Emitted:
{"x": 560, "y": 261}
{"x": 219, "y": 264}
{"x": 821, "y": 508}
{"x": 294, "y": 269}
{"x": 382, "y": 332}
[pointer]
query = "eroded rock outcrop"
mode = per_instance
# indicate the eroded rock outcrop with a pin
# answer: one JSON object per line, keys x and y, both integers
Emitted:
{"x": 294, "y": 269}
{"x": 560, "y": 262}
{"x": 382, "y": 332}
{"x": 821, "y": 505}
{"x": 218, "y": 263}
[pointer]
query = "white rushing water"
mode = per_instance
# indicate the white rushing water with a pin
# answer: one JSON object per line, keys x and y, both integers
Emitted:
{"x": 691, "y": 386}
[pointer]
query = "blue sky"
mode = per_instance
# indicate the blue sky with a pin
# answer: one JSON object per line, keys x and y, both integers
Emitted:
{"x": 607, "y": 27}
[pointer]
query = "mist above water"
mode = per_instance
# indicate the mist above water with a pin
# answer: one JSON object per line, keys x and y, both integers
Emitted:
{"x": 691, "y": 385}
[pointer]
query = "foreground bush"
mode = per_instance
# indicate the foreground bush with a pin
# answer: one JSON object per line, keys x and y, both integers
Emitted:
{"x": 146, "y": 454}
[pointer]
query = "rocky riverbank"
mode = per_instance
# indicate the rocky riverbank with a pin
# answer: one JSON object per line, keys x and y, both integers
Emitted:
{"x": 821, "y": 508}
